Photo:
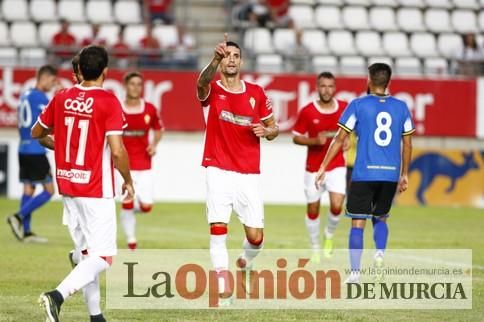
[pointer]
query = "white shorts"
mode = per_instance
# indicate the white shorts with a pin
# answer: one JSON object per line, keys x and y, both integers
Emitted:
{"x": 143, "y": 185}
{"x": 227, "y": 191}
{"x": 335, "y": 182}
{"x": 92, "y": 224}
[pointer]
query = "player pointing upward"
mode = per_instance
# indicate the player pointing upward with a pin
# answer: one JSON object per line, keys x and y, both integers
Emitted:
{"x": 237, "y": 115}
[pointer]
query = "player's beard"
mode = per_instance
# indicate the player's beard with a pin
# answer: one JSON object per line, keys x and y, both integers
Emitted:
{"x": 324, "y": 100}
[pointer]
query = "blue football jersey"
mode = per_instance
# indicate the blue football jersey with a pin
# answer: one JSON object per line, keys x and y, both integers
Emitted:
{"x": 379, "y": 123}
{"x": 32, "y": 102}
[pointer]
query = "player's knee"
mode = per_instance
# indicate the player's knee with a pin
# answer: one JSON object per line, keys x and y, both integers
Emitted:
{"x": 255, "y": 239}
{"x": 218, "y": 229}
{"x": 108, "y": 259}
{"x": 335, "y": 210}
{"x": 128, "y": 205}
{"x": 312, "y": 215}
{"x": 145, "y": 208}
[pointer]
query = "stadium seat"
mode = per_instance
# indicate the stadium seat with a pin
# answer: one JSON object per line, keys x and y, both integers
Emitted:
{"x": 329, "y": 63}
{"x": 269, "y": 63}
{"x": 386, "y": 3}
{"x": 167, "y": 35}
{"x": 408, "y": 66}
{"x": 43, "y": 10}
{"x": 71, "y": 10}
{"x": 127, "y": 11}
{"x": 439, "y": 3}
{"x": 99, "y": 11}
{"x": 438, "y": 20}
{"x": 481, "y": 20}
{"x": 466, "y": 4}
{"x": 383, "y": 19}
{"x": 341, "y": 43}
{"x": 283, "y": 39}
{"x": 109, "y": 32}
{"x": 23, "y": 34}
{"x": 436, "y": 66}
{"x": 412, "y": 3}
{"x": 368, "y": 43}
{"x": 328, "y": 17}
{"x": 410, "y": 19}
{"x": 81, "y": 31}
{"x": 258, "y": 41}
{"x": 352, "y": 65}
{"x": 423, "y": 45}
{"x": 306, "y": 2}
{"x": 315, "y": 41}
{"x": 329, "y": 2}
{"x": 133, "y": 34}
{"x": 303, "y": 16}
{"x": 396, "y": 44}
{"x": 449, "y": 44}
{"x": 32, "y": 57}
{"x": 15, "y": 10}
{"x": 464, "y": 21}
{"x": 4, "y": 36}
{"x": 47, "y": 30}
{"x": 355, "y": 18}
{"x": 380, "y": 59}
{"x": 364, "y": 3}
{"x": 8, "y": 57}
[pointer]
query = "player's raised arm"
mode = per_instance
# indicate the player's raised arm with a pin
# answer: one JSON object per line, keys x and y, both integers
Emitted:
{"x": 121, "y": 162}
{"x": 208, "y": 73}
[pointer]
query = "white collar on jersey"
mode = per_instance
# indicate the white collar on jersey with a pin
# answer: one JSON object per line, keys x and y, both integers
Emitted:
{"x": 138, "y": 110}
{"x": 219, "y": 83}
{"x": 87, "y": 88}
{"x": 320, "y": 110}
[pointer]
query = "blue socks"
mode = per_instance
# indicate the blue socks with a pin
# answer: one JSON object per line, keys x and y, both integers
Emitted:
{"x": 30, "y": 204}
{"x": 380, "y": 234}
{"x": 26, "y": 218}
{"x": 356, "y": 248}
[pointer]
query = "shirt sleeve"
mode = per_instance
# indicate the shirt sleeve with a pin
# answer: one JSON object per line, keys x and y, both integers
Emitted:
{"x": 156, "y": 122}
{"x": 408, "y": 127}
{"x": 115, "y": 121}
{"x": 349, "y": 118}
{"x": 265, "y": 106}
{"x": 46, "y": 118}
{"x": 301, "y": 126}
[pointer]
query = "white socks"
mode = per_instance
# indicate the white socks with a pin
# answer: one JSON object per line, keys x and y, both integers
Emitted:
{"x": 312, "y": 226}
{"x": 250, "y": 250}
{"x": 92, "y": 297}
{"x": 220, "y": 258}
{"x": 84, "y": 273}
{"x": 128, "y": 221}
{"x": 331, "y": 225}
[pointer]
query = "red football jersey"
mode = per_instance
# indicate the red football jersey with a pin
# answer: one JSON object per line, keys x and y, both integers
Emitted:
{"x": 230, "y": 143}
{"x": 311, "y": 121}
{"x": 135, "y": 135}
{"x": 81, "y": 119}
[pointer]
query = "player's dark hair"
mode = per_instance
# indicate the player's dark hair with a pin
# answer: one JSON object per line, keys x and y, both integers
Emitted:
{"x": 327, "y": 75}
{"x": 46, "y": 70}
{"x": 234, "y": 44}
{"x": 75, "y": 64}
{"x": 130, "y": 75}
{"x": 380, "y": 74}
{"x": 92, "y": 61}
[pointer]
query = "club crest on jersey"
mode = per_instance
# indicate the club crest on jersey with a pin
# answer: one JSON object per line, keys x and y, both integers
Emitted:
{"x": 147, "y": 118}
{"x": 252, "y": 102}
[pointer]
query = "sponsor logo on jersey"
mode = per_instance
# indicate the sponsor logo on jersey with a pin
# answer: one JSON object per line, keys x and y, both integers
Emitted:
{"x": 134, "y": 133}
{"x": 78, "y": 105}
{"x": 222, "y": 97}
{"x": 74, "y": 175}
{"x": 236, "y": 119}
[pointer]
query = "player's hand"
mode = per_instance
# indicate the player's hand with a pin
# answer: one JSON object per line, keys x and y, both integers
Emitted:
{"x": 403, "y": 183}
{"x": 151, "y": 149}
{"x": 259, "y": 130}
{"x": 322, "y": 138}
{"x": 320, "y": 177}
{"x": 220, "y": 51}
{"x": 128, "y": 190}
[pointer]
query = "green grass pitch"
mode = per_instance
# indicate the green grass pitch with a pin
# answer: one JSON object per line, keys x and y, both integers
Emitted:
{"x": 27, "y": 269}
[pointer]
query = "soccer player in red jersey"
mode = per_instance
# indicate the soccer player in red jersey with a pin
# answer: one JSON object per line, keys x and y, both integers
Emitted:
{"x": 87, "y": 123}
{"x": 141, "y": 117}
{"x": 237, "y": 115}
{"x": 315, "y": 127}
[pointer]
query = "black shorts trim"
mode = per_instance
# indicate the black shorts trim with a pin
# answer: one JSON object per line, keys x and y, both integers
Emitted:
{"x": 370, "y": 198}
{"x": 34, "y": 168}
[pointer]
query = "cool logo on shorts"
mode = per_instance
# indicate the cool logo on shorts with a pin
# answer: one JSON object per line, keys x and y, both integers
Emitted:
{"x": 79, "y": 106}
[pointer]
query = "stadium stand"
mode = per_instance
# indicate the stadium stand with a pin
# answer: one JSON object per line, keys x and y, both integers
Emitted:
{"x": 333, "y": 31}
